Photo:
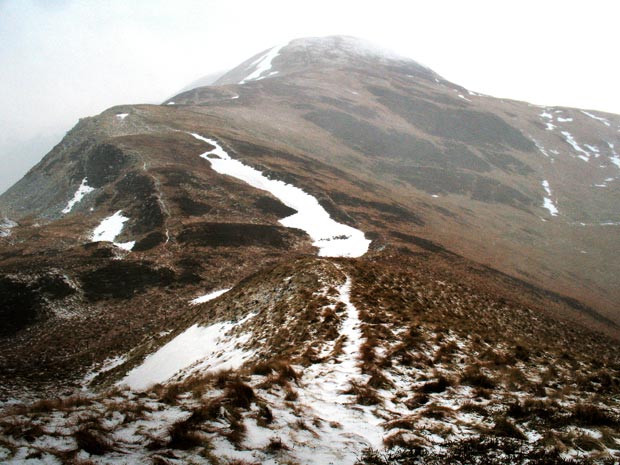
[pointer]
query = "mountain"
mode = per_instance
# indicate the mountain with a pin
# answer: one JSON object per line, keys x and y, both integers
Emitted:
{"x": 330, "y": 249}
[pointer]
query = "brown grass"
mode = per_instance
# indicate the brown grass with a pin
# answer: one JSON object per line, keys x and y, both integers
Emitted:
{"x": 473, "y": 376}
{"x": 93, "y": 441}
{"x": 438, "y": 385}
{"x": 364, "y": 395}
{"x": 503, "y": 427}
{"x": 593, "y": 415}
{"x": 276, "y": 445}
{"x": 239, "y": 394}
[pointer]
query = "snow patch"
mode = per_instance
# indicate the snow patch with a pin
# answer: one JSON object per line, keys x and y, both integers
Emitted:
{"x": 122, "y": 116}
{"x": 170, "y": 103}
{"x": 198, "y": 348}
{"x": 463, "y": 97}
{"x": 549, "y": 116}
{"x": 263, "y": 65}
{"x": 111, "y": 227}
{"x": 615, "y": 159}
{"x": 207, "y": 297}
{"x": 5, "y": 227}
{"x": 593, "y": 148}
{"x": 332, "y": 238}
{"x": 598, "y": 118}
{"x": 548, "y": 203}
{"x": 564, "y": 120}
{"x": 78, "y": 196}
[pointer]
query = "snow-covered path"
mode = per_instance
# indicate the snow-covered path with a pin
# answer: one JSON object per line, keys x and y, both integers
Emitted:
{"x": 321, "y": 391}
{"x": 332, "y": 238}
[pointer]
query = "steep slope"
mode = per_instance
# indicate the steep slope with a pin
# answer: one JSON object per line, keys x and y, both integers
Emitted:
{"x": 539, "y": 184}
{"x": 400, "y": 253}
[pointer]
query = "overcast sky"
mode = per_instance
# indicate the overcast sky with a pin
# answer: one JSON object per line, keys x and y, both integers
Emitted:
{"x": 64, "y": 59}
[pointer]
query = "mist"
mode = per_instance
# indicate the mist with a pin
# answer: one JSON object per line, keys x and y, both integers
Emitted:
{"x": 64, "y": 60}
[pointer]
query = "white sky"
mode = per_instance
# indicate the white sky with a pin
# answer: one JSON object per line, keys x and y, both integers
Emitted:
{"x": 64, "y": 59}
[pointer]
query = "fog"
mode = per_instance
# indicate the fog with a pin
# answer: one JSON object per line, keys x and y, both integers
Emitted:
{"x": 62, "y": 60}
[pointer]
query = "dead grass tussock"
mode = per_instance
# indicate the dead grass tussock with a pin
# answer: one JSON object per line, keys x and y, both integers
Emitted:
{"x": 93, "y": 440}
{"x": 280, "y": 371}
{"x": 22, "y": 428}
{"x": 587, "y": 414}
{"x": 364, "y": 395}
{"x": 503, "y": 427}
{"x": 184, "y": 436}
{"x": 472, "y": 407}
{"x": 378, "y": 380}
{"x": 276, "y": 445}
{"x": 239, "y": 394}
{"x": 440, "y": 384}
{"x": 418, "y": 399}
{"x": 437, "y": 412}
{"x": 51, "y": 405}
{"x": 475, "y": 377}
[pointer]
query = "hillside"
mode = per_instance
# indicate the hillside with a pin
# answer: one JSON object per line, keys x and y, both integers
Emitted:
{"x": 330, "y": 249}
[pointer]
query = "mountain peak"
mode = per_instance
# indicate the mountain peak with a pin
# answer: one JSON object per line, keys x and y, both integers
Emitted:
{"x": 314, "y": 53}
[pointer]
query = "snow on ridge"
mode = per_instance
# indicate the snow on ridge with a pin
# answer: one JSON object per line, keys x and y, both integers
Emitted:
{"x": 598, "y": 118}
{"x": 332, "y": 238}
{"x": 78, "y": 196}
{"x": 111, "y": 227}
{"x": 263, "y": 64}
{"x": 207, "y": 297}
{"x": 199, "y": 348}
{"x": 5, "y": 227}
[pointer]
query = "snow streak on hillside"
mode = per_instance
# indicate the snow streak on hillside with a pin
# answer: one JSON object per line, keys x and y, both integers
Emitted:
{"x": 263, "y": 65}
{"x": 332, "y": 238}
{"x": 78, "y": 196}
{"x": 207, "y": 297}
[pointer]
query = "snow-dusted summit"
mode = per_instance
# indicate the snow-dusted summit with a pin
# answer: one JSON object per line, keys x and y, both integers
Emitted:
{"x": 315, "y": 52}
